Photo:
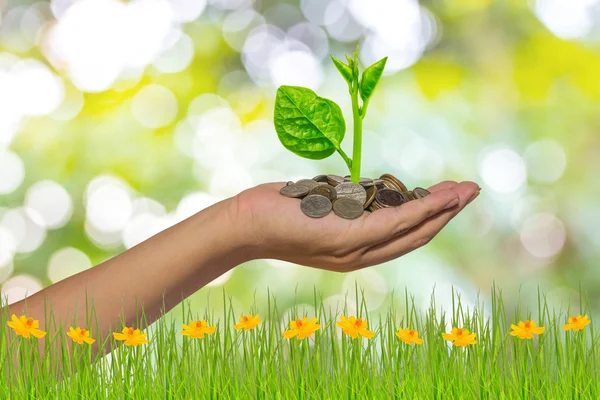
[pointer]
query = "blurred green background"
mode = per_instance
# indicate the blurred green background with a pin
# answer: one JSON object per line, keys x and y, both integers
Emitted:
{"x": 119, "y": 119}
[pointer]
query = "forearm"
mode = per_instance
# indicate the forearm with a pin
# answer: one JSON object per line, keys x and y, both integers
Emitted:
{"x": 174, "y": 263}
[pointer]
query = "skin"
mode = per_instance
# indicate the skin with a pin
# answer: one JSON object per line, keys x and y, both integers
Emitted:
{"x": 255, "y": 224}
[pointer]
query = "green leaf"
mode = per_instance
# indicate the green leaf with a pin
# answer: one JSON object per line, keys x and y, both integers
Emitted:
{"x": 344, "y": 69}
{"x": 370, "y": 77}
{"x": 353, "y": 66}
{"x": 308, "y": 125}
{"x": 350, "y": 60}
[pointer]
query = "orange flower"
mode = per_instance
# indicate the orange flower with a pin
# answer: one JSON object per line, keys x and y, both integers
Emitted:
{"x": 132, "y": 337}
{"x": 526, "y": 329}
{"x": 197, "y": 329}
{"x": 460, "y": 337}
{"x": 248, "y": 322}
{"x": 576, "y": 323}
{"x": 354, "y": 326}
{"x": 80, "y": 335}
{"x": 24, "y": 326}
{"x": 302, "y": 328}
{"x": 409, "y": 336}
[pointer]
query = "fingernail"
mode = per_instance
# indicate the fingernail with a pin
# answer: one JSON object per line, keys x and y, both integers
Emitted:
{"x": 474, "y": 196}
{"x": 452, "y": 203}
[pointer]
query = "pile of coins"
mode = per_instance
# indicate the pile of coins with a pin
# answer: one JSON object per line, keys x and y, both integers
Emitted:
{"x": 347, "y": 199}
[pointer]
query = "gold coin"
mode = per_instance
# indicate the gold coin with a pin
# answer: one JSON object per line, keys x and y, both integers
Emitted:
{"x": 398, "y": 185}
{"x": 388, "y": 184}
{"x": 410, "y": 195}
{"x": 371, "y": 192}
{"x": 324, "y": 190}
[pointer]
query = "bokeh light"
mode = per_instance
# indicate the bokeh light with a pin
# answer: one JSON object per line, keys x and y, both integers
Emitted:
{"x": 108, "y": 204}
{"x": 296, "y": 68}
{"x": 19, "y": 287}
{"x": 503, "y": 170}
{"x": 154, "y": 106}
{"x": 52, "y": 203}
{"x": 12, "y": 172}
{"x": 66, "y": 262}
{"x": 7, "y": 247}
{"x": 26, "y": 227}
{"x": 567, "y": 19}
{"x": 177, "y": 57}
{"x": 546, "y": 161}
{"x": 543, "y": 235}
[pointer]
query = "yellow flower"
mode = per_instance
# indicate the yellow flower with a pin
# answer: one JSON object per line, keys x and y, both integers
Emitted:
{"x": 302, "y": 327}
{"x": 132, "y": 337}
{"x": 576, "y": 323}
{"x": 354, "y": 326}
{"x": 526, "y": 329}
{"x": 409, "y": 336}
{"x": 247, "y": 322}
{"x": 197, "y": 329}
{"x": 24, "y": 326}
{"x": 460, "y": 337}
{"x": 80, "y": 335}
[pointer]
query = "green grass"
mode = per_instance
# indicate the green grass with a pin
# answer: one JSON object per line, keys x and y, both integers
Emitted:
{"x": 262, "y": 364}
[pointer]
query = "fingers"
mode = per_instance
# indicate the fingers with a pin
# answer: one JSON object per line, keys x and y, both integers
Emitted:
{"x": 442, "y": 186}
{"x": 421, "y": 234}
{"x": 386, "y": 223}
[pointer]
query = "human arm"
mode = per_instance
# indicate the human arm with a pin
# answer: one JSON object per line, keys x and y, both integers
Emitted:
{"x": 257, "y": 223}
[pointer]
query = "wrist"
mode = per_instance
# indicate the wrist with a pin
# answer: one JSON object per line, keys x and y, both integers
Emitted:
{"x": 230, "y": 231}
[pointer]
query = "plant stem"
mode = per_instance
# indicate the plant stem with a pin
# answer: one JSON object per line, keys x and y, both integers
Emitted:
{"x": 357, "y": 145}
{"x": 345, "y": 157}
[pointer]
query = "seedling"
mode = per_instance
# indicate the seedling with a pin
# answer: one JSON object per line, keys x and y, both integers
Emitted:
{"x": 313, "y": 127}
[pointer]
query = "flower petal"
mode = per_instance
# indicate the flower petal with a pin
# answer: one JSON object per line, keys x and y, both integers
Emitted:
{"x": 38, "y": 333}
{"x": 290, "y": 334}
{"x": 367, "y": 333}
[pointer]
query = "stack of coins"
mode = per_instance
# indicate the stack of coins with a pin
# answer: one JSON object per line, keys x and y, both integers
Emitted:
{"x": 324, "y": 193}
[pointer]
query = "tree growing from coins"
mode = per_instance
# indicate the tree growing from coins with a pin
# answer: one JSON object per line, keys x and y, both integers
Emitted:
{"x": 313, "y": 127}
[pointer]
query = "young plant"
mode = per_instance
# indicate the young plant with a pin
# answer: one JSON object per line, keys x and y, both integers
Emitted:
{"x": 313, "y": 127}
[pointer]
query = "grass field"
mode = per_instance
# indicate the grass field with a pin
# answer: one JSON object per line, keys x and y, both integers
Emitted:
{"x": 261, "y": 363}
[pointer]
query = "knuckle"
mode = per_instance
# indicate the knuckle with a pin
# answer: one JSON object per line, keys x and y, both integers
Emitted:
{"x": 403, "y": 222}
{"x": 422, "y": 241}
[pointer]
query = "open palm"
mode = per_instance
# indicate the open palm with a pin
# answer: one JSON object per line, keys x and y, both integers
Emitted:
{"x": 280, "y": 230}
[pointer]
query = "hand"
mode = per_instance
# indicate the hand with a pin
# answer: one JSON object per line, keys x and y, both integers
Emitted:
{"x": 278, "y": 229}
